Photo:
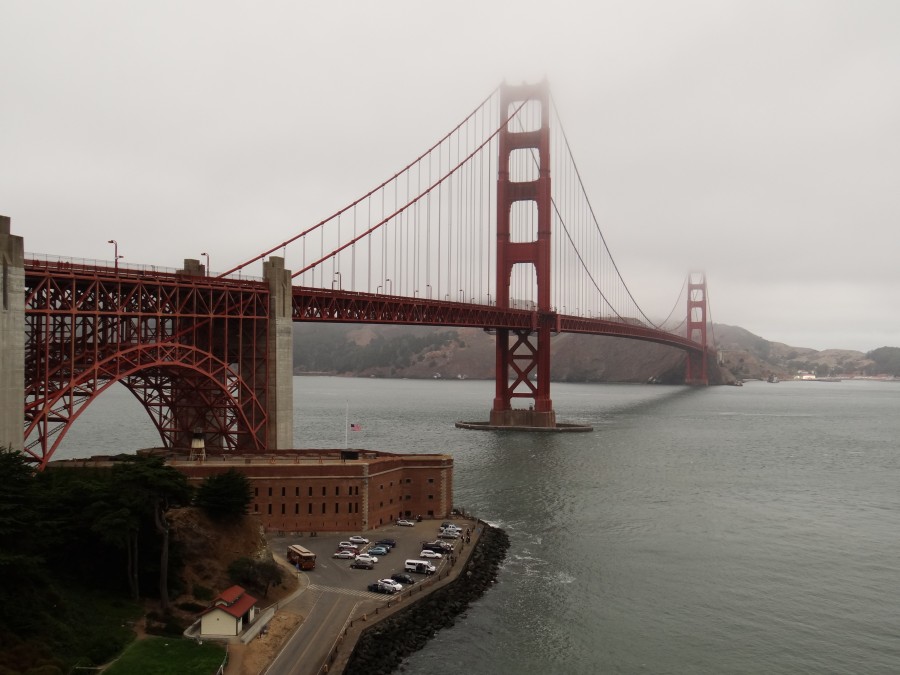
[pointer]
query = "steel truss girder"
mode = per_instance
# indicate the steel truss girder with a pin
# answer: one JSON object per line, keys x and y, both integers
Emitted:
{"x": 192, "y": 350}
{"x": 313, "y": 304}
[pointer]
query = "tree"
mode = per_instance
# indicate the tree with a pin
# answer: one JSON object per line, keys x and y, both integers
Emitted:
{"x": 256, "y": 574}
{"x": 225, "y": 496}
{"x": 18, "y": 514}
{"x": 149, "y": 488}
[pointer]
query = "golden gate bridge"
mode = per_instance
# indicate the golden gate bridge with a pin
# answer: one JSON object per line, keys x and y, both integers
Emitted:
{"x": 490, "y": 227}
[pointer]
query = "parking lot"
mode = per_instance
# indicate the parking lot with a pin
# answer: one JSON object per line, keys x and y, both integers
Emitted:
{"x": 333, "y": 596}
{"x": 336, "y": 574}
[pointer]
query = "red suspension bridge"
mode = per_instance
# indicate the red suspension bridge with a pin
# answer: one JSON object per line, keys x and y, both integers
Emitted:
{"x": 472, "y": 233}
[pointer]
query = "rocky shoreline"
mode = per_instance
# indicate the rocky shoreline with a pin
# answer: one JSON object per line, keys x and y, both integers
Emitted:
{"x": 383, "y": 646}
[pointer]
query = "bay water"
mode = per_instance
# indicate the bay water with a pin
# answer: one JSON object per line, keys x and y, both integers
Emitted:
{"x": 749, "y": 529}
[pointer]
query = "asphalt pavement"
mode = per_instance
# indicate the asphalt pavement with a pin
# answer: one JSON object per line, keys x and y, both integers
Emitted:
{"x": 335, "y": 594}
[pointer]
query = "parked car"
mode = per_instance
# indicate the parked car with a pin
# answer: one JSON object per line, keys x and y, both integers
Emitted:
{"x": 348, "y": 545}
{"x": 389, "y": 543}
{"x": 406, "y": 523}
{"x": 379, "y": 587}
{"x": 366, "y": 558}
{"x": 390, "y": 583}
{"x": 436, "y": 549}
{"x": 344, "y": 554}
{"x": 449, "y": 534}
{"x": 426, "y": 553}
{"x": 451, "y": 528}
{"x": 362, "y": 564}
{"x": 438, "y": 545}
{"x": 378, "y": 550}
{"x": 356, "y": 539}
{"x": 419, "y": 566}
{"x": 403, "y": 578}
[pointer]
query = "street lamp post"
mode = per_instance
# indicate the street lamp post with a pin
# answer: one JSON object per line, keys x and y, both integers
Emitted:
{"x": 207, "y": 262}
{"x": 388, "y": 287}
{"x": 116, "y": 255}
{"x": 336, "y": 276}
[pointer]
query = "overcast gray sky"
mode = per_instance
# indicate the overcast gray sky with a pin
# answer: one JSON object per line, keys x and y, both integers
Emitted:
{"x": 758, "y": 140}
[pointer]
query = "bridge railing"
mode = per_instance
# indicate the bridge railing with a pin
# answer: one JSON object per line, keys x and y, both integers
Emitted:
{"x": 56, "y": 262}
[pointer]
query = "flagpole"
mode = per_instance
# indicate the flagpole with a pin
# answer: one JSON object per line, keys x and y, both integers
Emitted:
{"x": 347, "y": 426}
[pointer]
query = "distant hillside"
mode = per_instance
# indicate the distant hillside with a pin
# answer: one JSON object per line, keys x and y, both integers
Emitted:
{"x": 750, "y": 356}
{"x": 418, "y": 352}
{"x": 424, "y": 352}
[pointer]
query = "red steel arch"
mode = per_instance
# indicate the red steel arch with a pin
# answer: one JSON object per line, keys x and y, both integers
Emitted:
{"x": 193, "y": 350}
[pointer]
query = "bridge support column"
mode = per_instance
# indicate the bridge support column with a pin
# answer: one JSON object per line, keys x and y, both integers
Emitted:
{"x": 12, "y": 337}
{"x": 280, "y": 361}
{"x": 526, "y": 358}
{"x": 696, "y": 363}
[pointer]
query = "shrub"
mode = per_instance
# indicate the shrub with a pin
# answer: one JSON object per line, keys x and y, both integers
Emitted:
{"x": 202, "y": 592}
{"x": 191, "y": 607}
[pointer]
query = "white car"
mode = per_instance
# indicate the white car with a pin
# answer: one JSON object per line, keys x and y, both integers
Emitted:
{"x": 356, "y": 539}
{"x": 365, "y": 557}
{"x": 344, "y": 554}
{"x": 430, "y": 554}
{"x": 396, "y": 586}
{"x": 406, "y": 523}
{"x": 348, "y": 544}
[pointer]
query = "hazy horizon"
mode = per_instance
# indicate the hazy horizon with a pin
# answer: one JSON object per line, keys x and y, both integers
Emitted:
{"x": 757, "y": 141}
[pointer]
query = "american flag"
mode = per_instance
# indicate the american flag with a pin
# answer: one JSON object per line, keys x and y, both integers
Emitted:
{"x": 355, "y": 427}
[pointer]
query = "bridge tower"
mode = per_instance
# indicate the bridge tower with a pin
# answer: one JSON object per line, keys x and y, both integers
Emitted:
{"x": 524, "y": 354}
{"x": 280, "y": 357}
{"x": 696, "y": 364}
{"x": 12, "y": 336}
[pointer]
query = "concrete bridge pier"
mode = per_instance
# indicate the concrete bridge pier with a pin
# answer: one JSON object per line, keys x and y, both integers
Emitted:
{"x": 12, "y": 337}
{"x": 280, "y": 361}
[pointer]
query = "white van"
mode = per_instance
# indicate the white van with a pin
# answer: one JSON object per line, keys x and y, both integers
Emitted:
{"x": 419, "y": 566}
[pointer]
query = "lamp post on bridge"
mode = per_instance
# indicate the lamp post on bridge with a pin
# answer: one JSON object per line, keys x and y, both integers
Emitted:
{"x": 428, "y": 291}
{"x": 388, "y": 286}
{"x": 338, "y": 275}
{"x": 116, "y": 255}
{"x": 207, "y": 262}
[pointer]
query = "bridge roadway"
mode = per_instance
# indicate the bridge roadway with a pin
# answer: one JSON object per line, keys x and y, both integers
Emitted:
{"x": 333, "y": 597}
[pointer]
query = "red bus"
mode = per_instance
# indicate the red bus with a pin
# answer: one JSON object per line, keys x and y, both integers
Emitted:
{"x": 301, "y": 558}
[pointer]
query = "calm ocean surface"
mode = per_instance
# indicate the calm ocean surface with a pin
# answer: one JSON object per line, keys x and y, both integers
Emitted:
{"x": 719, "y": 530}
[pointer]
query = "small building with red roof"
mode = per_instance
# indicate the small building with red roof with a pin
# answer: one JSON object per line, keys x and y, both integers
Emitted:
{"x": 231, "y": 611}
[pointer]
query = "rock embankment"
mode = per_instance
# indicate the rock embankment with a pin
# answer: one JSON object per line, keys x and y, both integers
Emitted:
{"x": 381, "y": 648}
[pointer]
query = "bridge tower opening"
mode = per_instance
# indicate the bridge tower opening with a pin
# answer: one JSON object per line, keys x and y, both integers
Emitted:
{"x": 523, "y": 356}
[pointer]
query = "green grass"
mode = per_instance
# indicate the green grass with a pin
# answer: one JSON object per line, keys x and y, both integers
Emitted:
{"x": 164, "y": 656}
